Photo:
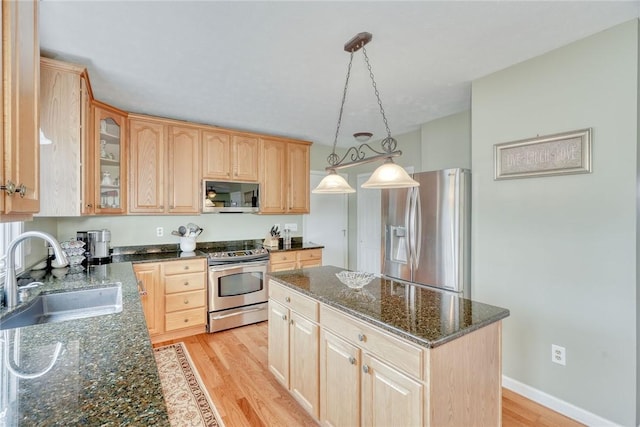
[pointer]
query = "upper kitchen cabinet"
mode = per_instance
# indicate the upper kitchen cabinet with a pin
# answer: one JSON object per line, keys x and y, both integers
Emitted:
{"x": 20, "y": 151}
{"x": 284, "y": 176}
{"x": 109, "y": 152}
{"x": 230, "y": 156}
{"x": 165, "y": 166}
{"x": 65, "y": 122}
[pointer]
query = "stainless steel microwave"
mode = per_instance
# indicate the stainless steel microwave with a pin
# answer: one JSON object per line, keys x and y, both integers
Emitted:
{"x": 230, "y": 197}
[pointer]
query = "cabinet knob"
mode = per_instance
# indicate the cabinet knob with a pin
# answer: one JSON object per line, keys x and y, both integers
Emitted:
{"x": 291, "y": 321}
{"x": 186, "y": 283}
{"x": 352, "y": 360}
{"x": 89, "y": 206}
{"x": 10, "y": 188}
{"x": 287, "y": 299}
{"x": 284, "y": 317}
{"x": 22, "y": 190}
{"x": 186, "y": 267}
{"x": 365, "y": 369}
{"x": 361, "y": 337}
{"x": 186, "y": 301}
{"x": 186, "y": 320}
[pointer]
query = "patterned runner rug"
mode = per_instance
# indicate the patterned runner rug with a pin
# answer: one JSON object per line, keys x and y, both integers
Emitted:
{"x": 188, "y": 402}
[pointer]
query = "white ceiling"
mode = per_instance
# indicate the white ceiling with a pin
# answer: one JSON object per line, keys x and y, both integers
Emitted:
{"x": 279, "y": 67}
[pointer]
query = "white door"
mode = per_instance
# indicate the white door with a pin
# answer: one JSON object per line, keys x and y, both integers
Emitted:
{"x": 368, "y": 232}
{"x": 326, "y": 224}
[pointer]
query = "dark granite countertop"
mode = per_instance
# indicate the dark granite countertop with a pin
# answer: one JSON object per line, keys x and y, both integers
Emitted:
{"x": 424, "y": 316}
{"x": 168, "y": 252}
{"x": 106, "y": 373}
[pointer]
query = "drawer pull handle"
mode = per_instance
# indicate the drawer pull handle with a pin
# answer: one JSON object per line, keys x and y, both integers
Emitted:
{"x": 352, "y": 360}
{"x": 141, "y": 288}
{"x": 186, "y": 301}
{"x": 287, "y": 299}
{"x": 186, "y": 283}
{"x": 186, "y": 267}
{"x": 361, "y": 337}
{"x": 365, "y": 369}
{"x": 284, "y": 317}
{"x": 186, "y": 320}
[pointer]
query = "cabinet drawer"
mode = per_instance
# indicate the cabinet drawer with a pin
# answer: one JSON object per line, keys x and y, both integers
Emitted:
{"x": 285, "y": 256}
{"x": 184, "y": 300}
{"x": 179, "y": 267}
{"x": 294, "y": 300}
{"x": 185, "y": 319}
{"x": 310, "y": 254}
{"x": 395, "y": 351}
{"x": 184, "y": 283}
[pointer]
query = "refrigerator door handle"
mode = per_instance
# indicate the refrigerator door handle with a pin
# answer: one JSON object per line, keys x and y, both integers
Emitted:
{"x": 417, "y": 228}
{"x": 407, "y": 224}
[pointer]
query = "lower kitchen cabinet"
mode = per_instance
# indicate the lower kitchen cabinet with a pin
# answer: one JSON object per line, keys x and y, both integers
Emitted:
{"x": 339, "y": 381}
{"x": 347, "y": 372}
{"x": 293, "y": 345}
{"x": 290, "y": 260}
{"x": 173, "y": 295}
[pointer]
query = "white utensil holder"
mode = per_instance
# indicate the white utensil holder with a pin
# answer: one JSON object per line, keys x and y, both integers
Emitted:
{"x": 187, "y": 244}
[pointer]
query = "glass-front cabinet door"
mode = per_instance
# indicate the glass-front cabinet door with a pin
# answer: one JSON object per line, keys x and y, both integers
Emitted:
{"x": 110, "y": 172}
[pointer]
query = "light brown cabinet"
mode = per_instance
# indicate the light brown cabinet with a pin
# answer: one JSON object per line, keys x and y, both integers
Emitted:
{"x": 293, "y": 345}
{"x": 229, "y": 156}
{"x": 175, "y": 301}
{"x": 285, "y": 176}
{"x": 20, "y": 151}
{"x": 365, "y": 375}
{"x": 149, "y": 285}
{"x": 65, "y": 121}
{"x": 290, "y": 260}
{"x": 165, "y": 166}
{"x": 107, "y": 181}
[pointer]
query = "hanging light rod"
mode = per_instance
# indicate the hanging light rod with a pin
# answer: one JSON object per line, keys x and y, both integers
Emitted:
{"x": 359, "y": 157}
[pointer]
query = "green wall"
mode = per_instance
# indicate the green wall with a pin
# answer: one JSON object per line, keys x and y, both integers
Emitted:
{"x": 446, "y": 142}
{"x": 561, "y": 252}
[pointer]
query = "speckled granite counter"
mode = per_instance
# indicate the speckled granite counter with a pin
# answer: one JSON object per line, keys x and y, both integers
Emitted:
{"x": 153, "y": 253}
{"x": 427, "y": 317}
{"x": 106, "y": 373}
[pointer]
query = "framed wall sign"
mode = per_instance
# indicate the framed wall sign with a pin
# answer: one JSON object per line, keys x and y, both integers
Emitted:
{"x": 562, "y": 153}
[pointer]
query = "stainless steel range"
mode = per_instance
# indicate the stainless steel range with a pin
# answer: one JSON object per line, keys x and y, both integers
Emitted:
{"x": 237, "y": 287}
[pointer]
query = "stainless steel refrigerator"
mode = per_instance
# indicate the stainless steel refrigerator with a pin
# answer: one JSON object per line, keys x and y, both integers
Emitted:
{"x": 426, "y": 231}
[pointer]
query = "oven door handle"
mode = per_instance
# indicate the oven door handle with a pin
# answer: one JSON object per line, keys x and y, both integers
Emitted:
{"x": 235, "y": 313}
{"x": 247, "y": 267}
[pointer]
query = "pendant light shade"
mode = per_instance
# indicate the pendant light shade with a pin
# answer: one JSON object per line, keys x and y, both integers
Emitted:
{"x": 390, "y": 175}
{"x": 333, "y": 184}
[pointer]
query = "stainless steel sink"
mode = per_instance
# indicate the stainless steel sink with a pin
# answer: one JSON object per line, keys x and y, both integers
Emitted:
{"x": 67, "y": 305}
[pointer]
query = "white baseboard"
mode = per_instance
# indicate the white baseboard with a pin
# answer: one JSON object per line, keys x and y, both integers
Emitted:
{"x": 551, "y": 402}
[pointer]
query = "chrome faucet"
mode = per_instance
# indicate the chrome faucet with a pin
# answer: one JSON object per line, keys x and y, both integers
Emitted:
{"x": 10, "y": 283}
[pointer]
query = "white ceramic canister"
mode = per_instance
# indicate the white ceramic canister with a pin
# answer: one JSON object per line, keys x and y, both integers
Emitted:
{"x": 187, "y": 244}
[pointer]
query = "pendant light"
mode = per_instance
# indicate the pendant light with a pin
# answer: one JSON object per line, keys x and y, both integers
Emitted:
{"x": 389, "y": 175}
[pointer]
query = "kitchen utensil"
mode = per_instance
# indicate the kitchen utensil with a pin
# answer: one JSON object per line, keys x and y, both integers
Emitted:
{"x": 182, "y": 230}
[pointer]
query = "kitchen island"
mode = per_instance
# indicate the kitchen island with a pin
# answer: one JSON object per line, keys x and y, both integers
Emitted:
{"x": 106, "y": 373}
{"x": 390, "y": 354}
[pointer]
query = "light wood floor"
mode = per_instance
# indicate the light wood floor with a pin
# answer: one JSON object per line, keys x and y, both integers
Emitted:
{"x": 233, "y": 367}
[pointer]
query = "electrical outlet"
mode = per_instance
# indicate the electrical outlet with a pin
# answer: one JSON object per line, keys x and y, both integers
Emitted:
{"x": 291, "y": 227}
{"x": 159, "y": 231}
{"x": 558, "y": 355}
